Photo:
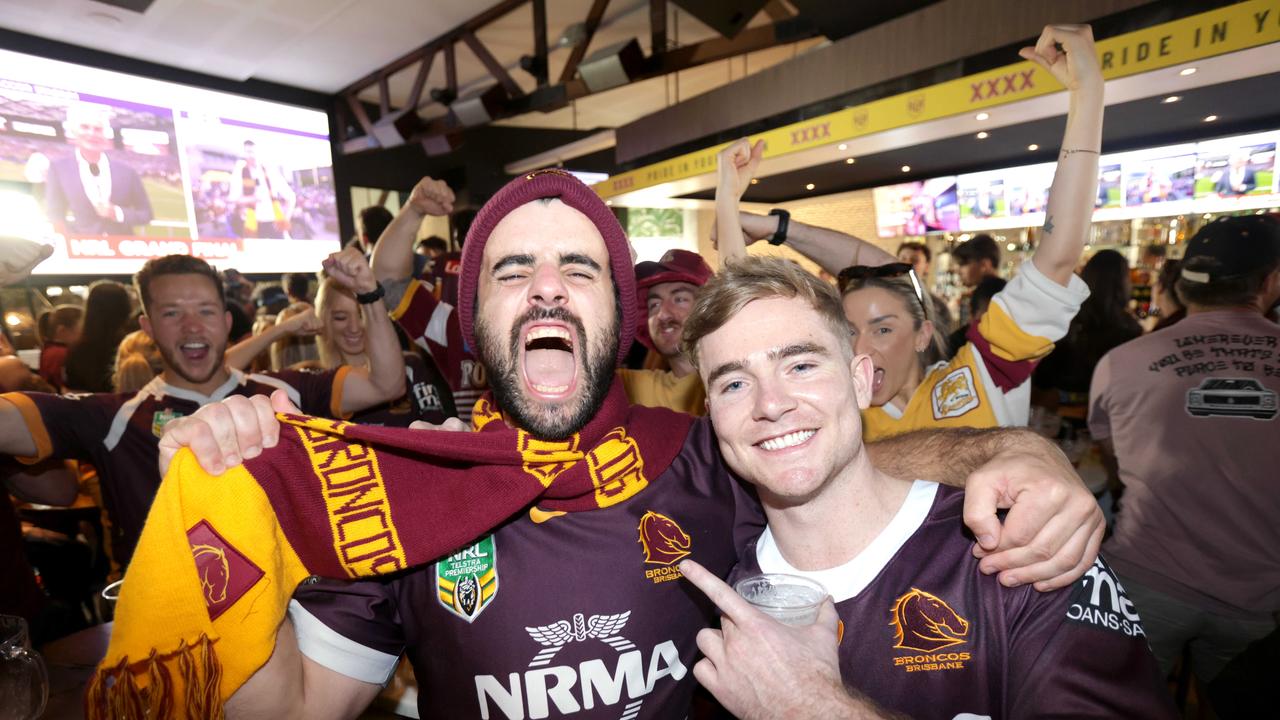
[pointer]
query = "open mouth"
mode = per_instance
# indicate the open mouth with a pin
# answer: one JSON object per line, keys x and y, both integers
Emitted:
{"x": 877, "y": 380}
{"x": 194, "y": 351}
{"x": 787, "y": 441}
{"x": 549, "y": 361}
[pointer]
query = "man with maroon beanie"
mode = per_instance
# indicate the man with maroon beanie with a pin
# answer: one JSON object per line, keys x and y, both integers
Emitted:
{"x": 558, "y": 613}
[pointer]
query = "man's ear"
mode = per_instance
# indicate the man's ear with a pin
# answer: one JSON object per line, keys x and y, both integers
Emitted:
{"x": 863, "y": 372}
{"x": 144, "y": 322}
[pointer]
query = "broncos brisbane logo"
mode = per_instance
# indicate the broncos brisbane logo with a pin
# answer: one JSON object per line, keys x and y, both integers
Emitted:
{"x": 215, "y": 574}
{"x": 663, "y": 540}
{"x": 926, "y": 623}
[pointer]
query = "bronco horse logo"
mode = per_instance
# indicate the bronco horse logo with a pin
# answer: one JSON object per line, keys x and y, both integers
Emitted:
{"x": 926, "y": 623}
{"x": 211, "y": 563}
{"x": 663, "y": 540}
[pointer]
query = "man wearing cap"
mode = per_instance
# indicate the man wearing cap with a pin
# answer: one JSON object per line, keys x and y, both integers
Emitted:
{"x": 1190, "y": 413}
{"x": 666, "y": 289}
{"x": 569, "y": 606}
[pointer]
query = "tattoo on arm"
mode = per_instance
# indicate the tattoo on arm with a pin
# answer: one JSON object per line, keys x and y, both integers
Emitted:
{"x": 1048, "y": 225}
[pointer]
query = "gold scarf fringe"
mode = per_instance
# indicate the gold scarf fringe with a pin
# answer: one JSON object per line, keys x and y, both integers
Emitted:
{"x": 114, "y": 693}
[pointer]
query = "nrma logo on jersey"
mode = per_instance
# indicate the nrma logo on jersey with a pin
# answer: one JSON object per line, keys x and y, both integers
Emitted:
{"x": 1099, "y": 600}
{"x": 545, "y": 689}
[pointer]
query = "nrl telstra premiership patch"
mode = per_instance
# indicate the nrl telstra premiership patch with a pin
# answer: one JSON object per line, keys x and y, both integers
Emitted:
{"x": 467, "y": 581}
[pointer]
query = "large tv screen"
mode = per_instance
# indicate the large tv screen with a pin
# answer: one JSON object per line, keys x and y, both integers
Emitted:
{"x": 112, "y": 169}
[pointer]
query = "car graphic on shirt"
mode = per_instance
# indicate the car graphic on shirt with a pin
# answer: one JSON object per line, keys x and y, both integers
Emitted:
{"x": 1234, "y": 397}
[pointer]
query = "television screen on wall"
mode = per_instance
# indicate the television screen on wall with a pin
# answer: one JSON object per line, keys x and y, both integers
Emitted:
{"x": 113, "y": 169}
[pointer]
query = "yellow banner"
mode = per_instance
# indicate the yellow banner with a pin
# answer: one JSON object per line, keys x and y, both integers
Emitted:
{"x": 1236, "y": 27}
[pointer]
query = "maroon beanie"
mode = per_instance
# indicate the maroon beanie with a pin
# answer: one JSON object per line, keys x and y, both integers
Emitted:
{"x": 574, "y": 193}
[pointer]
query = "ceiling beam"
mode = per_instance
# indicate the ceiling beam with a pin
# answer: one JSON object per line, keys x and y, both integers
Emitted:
{"x": 541, "y": 72}
{"x": 594, "y": 16}
{"x": 491, "y": 64}
{"x": 420, "y": 81}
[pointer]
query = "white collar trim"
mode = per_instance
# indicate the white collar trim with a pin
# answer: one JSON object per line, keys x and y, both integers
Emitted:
{"x": 847, "y": 580}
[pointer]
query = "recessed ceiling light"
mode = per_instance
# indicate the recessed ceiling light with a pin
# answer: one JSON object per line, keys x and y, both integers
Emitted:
{"x": 849, "y": 161}
{"x": 1011, "y": 247}
{"x": 105, "y": 19}
{"x": 1033, "y": 147}
{"x": 842, "y": 146}
{"x": 754, "y": 181}
{"x": 983, "y": 135}
{"x": 1187, "y": 71}
{"x": 608, "y": 202}
{"x": 1171, "y": 99}
{"x": 982, "y": 116}
{"x": 809, "y": 186}
{"x": 1210, "y": 118}
{"x": 906, "y": 168}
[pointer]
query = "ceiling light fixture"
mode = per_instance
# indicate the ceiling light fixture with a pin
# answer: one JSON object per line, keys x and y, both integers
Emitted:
{"x": 842, "y": 146}
{"x": 1033, "y": 147}
{"x": 982, "y": 116}
{"x": 755, "y": 181}
{"x": 906, "y": 168}
{"x": 1171, "y": 99}
{"x": 983, "y": 135}
{"x": 809, "y": 186}
{"x": 1187, "y": 71}
{"x": 849, "y": 161}
{"x": 1210, "y": 118}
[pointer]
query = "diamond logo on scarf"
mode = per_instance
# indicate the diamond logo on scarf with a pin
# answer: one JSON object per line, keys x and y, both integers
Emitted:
{"x": 225, "y": 574}
{"x": 467, "y": 581}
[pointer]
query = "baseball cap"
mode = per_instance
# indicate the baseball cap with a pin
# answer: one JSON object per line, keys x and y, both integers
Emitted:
{"x": 675, "y": 266}
{"x": 1232, "y": 247}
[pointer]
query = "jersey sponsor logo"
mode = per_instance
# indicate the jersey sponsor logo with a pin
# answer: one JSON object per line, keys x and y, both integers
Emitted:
{"x": 162, "y": 418}
{"x": 925, "y": 622}
{"x": 365, "y": 538}
{"x": 1100, "y": 601}
{"x": 563, "y": 689}
{"x": 467, "y": 581}
{"x": 955, "y": 394}
{"x": 665, "y": 543}
{"x": 225, "y": 574}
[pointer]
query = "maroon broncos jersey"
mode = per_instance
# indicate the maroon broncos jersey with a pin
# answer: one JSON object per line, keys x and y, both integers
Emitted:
{"x": 926, "y": 634}
{"x": 432, "y": 323}
{"x": 427, "y": 398}
{"x": 119, "y": 433}
{"x": 581, "y": 615}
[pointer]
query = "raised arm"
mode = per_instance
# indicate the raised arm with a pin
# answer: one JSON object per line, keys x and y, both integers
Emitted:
{"x": 393, "y": 254}
{"x": 383, "y": 381}
{"x": 735, "y": 166}
{"x": 1075, "y": 182}
{"x": 1054, "y": 527}
{"x": 241, "y": 355}
{"x": 19, "y": 258}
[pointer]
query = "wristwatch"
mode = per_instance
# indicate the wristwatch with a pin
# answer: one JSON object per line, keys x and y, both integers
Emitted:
{"x": 784, "y": 222}
{"x": 372, "y": 296}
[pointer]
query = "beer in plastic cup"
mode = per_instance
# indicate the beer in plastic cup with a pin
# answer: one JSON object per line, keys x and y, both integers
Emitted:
{"x": 789, "y": 599}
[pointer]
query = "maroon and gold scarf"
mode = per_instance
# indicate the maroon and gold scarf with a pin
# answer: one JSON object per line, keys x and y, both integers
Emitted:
{"x": 220, "y": 556}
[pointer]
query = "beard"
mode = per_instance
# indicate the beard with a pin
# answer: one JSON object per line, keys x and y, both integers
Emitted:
{"x": 548, "y": 421}
{"x": 174, "y": 360}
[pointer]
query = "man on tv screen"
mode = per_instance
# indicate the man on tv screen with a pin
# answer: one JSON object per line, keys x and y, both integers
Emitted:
{"x": 88, "y": 193}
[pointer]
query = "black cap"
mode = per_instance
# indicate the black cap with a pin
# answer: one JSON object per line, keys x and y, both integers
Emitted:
{"x": 1232, "y": 247}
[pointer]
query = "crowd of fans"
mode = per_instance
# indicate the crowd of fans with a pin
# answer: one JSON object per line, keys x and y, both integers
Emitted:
{"x": 386, "y": 334}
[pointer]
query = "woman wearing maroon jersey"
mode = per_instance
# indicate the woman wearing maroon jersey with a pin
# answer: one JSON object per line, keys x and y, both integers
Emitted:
{"x": 342, "y": 342}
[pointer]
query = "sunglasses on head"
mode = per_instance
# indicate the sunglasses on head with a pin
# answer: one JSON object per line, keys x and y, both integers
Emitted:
{"x": 858, "y": 273}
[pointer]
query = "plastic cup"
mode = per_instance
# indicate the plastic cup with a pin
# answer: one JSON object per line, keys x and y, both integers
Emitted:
{"x": 789, "y": 599}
